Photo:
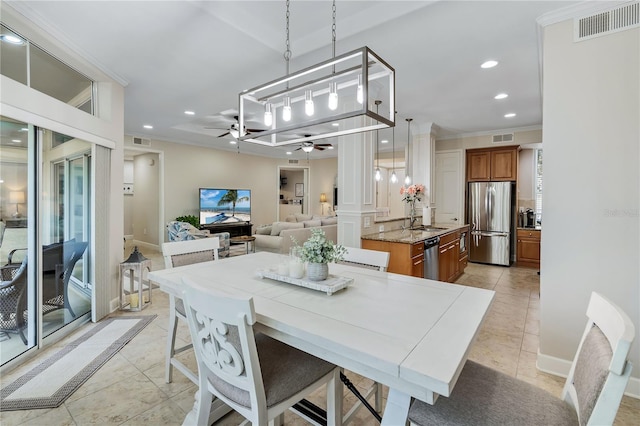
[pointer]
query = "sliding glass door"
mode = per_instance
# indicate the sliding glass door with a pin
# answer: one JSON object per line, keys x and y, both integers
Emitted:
{"x": 41, "y": 296}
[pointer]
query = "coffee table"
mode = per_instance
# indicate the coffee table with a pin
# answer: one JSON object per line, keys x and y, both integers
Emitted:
{"x": 246, "y": 240}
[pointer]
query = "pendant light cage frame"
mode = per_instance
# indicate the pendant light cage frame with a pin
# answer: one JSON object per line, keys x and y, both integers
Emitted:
{"x": 346, "y": 72}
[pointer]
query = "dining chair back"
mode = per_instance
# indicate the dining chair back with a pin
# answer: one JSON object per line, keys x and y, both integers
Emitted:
{"x": 179, "y": 253}
{"x": 591, "y": 396}
{"x": 257, "y": 376}
{"x": 365, "y": 258}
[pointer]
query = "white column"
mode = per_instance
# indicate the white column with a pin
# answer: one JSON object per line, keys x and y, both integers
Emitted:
{"x": 422, "y": 161}
{"x": 356, "y": 209}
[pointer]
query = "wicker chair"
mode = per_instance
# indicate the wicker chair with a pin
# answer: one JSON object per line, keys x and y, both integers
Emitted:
{"x": 58, "y": 261}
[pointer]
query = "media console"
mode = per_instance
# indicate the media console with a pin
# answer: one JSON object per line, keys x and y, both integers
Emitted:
{"x": 234, "y": 229}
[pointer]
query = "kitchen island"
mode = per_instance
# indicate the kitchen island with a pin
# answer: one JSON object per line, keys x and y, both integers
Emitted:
{"x": 406, "y": 248}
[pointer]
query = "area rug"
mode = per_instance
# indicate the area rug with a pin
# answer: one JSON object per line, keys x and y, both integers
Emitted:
{"x": 50, "y": 383}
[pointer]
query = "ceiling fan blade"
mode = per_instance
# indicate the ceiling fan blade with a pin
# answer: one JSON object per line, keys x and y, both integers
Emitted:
{"x": 324, "y": 144}
{"x": 319, "y": 148}
{"x": 224, "y": 134}
{"x": 254, "y": 130}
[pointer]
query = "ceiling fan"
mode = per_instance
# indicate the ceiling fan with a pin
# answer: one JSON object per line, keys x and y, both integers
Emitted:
{"x": 233, "y": 128}
{"x": 310, "y": 146}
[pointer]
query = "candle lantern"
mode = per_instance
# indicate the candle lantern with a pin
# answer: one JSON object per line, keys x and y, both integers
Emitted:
{"x": 138, "y": 294}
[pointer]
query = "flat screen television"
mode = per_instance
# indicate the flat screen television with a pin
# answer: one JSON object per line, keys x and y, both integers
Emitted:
{"x": 224, "y": 206}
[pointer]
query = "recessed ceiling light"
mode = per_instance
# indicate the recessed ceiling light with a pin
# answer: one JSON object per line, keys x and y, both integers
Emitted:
{"x": 148, "y": 126}
{"x": 10, "y": 38}
{"x": 489, "y": 64}
{"x": 335, "y": 124}
{"x": 232, "y": 142}
{"x": 501, "y": 96}
{"x": 16, "y": 140}
{"x": 510, "y": 115}
{"x": 190, "y": 113}
{"x": 384, "y": 141}
{"x": 289, "y": 153}
{"x": 330, "y": 147}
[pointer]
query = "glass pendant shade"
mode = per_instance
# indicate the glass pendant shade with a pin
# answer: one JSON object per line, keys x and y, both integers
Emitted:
{"x": 342, "y": 75}
{"x": 378, "y": 175}
{"x": 268, "y": 116}
{"x": 286, "y": 109}
{"x": 407, "y": 180}
{"x": 308, "y": 103}
{"x": 393, "y": 178}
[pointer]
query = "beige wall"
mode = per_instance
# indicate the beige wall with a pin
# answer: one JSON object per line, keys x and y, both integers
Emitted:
{"x": 146, "y": 198}
{"x": 188, "y": 168}
{"x": 591, "y": 194}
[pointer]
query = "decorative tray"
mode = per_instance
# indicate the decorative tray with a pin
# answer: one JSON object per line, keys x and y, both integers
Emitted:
{"x": 332, "y": 284}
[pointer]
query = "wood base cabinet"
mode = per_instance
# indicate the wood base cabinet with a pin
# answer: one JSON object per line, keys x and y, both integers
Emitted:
{"x": 528, "y": 248}
{"x": 407, "y": 259}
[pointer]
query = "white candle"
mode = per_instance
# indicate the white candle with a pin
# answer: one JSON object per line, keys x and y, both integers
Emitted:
{"x": 283, "y": 269}
{"x": 296, "y": 269}
{"x": 133, "y": 301}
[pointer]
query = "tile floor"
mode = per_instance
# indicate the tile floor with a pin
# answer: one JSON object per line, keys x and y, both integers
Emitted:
{"x": 130, "y": 388}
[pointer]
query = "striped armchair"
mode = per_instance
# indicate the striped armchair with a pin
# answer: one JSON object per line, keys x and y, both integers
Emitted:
{"x": 182, "y": 231}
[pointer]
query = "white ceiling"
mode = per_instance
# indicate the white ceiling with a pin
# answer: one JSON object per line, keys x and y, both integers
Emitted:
{"x": 198, "y": 55}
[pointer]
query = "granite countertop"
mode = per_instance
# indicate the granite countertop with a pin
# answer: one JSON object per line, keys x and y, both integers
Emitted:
{"x": 412, "y": 236}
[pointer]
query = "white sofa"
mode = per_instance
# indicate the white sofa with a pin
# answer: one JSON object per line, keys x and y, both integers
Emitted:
{"x": 276, "y": 238}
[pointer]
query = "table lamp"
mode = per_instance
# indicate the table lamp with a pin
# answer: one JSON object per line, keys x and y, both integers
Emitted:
{"x": 16, "y": 197}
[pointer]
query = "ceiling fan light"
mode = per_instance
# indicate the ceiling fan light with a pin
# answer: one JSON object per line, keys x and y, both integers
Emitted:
{"x": 333, "y": 96}
{"x": 268, "y": 116}
{"x": 308, "y": 103}
{"x": 307, "y": 148}
{"x": 286, "y": 109}
{"x": 234, "y": 133}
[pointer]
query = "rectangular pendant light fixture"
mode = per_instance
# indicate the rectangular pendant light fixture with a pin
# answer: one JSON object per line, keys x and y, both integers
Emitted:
{"x": 333, "y": 98}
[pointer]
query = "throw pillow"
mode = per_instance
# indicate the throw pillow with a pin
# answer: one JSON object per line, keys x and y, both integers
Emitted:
{"x": 312, "y": 223}
{"x": 302, "y": 217}
{"x": 290, "y": 218}
{"x": 264, "y": 230}
{"x": 330, "y": 221}
{"x": 278, "y": 227}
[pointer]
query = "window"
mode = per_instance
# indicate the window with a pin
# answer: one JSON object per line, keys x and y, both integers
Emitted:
{"x": 538, "y": 185}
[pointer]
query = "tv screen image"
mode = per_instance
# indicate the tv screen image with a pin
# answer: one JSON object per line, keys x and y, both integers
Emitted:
{"x": 224, "y": 206}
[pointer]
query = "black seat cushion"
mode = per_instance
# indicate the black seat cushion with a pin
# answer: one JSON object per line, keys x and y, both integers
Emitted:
{"x": 484, "y": 396}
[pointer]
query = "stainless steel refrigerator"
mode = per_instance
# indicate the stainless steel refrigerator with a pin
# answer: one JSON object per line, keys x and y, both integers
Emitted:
{"x": 491, "y": 207}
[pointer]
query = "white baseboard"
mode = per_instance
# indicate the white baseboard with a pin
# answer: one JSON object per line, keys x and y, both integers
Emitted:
{"x": 560, "y": 367}
{"x": 143, "y": 244}
{"x": 115, "y": 304}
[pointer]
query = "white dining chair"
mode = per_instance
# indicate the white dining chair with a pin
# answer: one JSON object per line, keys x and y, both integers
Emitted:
{"x": 179, "y": 253}
{"x": 254, "y": 374}
{"x": 370, "y": 259}
{"x": 591, "y": 394}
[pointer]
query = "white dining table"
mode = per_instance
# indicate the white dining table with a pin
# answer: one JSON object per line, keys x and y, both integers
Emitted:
{"x": 410, "y": 334}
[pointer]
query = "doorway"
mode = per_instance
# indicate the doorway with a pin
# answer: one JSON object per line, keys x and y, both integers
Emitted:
{"x": 449, "y": 196}
{"x": 293, "y": 190}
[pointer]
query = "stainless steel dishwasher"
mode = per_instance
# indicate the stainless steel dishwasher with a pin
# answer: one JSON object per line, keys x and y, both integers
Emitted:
{"x": 431, "y": 258}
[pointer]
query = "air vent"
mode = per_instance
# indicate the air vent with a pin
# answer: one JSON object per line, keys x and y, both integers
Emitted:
{"x": 140, "y": 141}
{"x": 293, "y": 161}
{"x": 614, "y": 20}
{"x": 507, "y": 137}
